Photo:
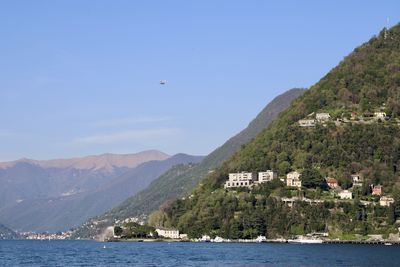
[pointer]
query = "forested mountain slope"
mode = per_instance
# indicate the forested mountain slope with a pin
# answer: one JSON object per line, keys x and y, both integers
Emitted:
{"x": 183, "y": 179}
{"x": 362, "y": 96}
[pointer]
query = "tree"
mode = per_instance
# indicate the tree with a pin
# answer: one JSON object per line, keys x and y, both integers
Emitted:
{"x": 312, "y": 178}
{"x": 284, "y": 167}
{"x": 118, "y": 230}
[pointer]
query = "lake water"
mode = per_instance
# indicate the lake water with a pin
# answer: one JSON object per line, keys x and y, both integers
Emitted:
{"x": 91, "y": 253}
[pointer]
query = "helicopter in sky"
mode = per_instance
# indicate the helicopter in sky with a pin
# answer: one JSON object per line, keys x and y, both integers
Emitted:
{"x": 163, "y": 82}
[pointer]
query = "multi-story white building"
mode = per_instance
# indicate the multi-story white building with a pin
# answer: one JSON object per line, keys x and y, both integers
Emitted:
{"x": 240, "y": 179}
{"x": 169, "y": 233}
{"x": 293, "y": 179}
{"x": 380, "y": 115}
{"x": 321, "y": 117}
{"x": 307, "y": 123}
{"x": 357, "y": 180}
{"x": 266, "y": 176}
{"x": 345, "y": 194}
{"x": 386, "y": 201}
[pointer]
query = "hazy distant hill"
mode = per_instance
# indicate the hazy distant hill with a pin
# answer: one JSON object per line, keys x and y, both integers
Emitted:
{"x": 26, "y": 179}
{"x": 50, "y": 198}
{"x": 182, "y": 179}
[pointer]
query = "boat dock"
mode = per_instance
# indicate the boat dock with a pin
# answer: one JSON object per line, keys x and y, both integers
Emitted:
{"x": 362, "y": 242}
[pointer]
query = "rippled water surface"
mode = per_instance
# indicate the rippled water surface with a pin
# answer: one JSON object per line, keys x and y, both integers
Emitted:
{"x": 91, "y": 253}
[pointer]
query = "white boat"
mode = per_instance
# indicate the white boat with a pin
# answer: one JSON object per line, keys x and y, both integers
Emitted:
{"x": 261, "y": 239}
{"x": 388, "y": 244}
{"x": 218, "y": 239}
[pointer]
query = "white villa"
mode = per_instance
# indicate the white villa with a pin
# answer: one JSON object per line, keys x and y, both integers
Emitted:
{"x": 322, "y": 117}
{"x": 266, "y": 176}
{"x": 357, "y": 180}
{"x": 240, "y": 179}
{"x": 345, "y": 194}
{"x": 247, "y": 179}
{"x": 169, "y": 233}
{"x": 293, "y": 179}
{"x": 386, "y": 201}
{"x": 380, "y": 115}
{"x": 307, "y": 123}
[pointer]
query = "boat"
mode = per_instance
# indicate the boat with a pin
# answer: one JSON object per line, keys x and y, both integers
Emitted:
{"x": 261, "y": 239}
{"x": 218, "y": 239}
{"x": 388, "y": 244}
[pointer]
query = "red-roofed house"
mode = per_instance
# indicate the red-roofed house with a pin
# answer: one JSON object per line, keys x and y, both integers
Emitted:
{"x": 376, "y": 190}
{"x": 332, "y": 182}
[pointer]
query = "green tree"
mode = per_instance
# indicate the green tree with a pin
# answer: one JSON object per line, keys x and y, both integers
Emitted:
{"x": 312, "y": 178}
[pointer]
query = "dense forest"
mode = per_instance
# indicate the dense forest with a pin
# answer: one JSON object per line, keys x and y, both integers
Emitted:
{"x": 365, "y": 82}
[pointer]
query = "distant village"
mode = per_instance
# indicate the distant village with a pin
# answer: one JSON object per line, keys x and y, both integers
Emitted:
{"x": 46, "y": 236}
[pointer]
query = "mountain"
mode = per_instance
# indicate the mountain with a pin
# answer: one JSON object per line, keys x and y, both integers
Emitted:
{"x": 183, "y": 178}
{"x": 7, "y": 234}
{"x": 106, "y": 161}
{"x": 38, "y": 196}
{"x": 362, "y": 137}
{"x": 30, "y": 179}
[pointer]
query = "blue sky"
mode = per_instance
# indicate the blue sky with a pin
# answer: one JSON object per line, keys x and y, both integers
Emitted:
{"x": 82, "y": 77}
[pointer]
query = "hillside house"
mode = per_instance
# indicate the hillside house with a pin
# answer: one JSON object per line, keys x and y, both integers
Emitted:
{"x": 307, "y": 123}
{"x": 386, "y": 201}
{"x": 376, "y": 190}
{"x": 293, "y": 179}
{"x": 266, "y": 176}
{"x": 345, "y": 194}
{"x": 380, "y": 115}
{"x": 332, "y": 182}
{"x": 322, "y": 117}
{"x": 357, "y": 180}
{"x": 169, "y": 233}
{"x": 240, "y": 179}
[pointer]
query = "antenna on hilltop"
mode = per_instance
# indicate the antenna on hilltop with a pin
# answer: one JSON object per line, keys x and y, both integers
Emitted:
{"x": 386, "y": 29}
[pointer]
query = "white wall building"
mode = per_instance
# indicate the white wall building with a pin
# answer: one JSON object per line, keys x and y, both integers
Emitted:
{"x": 386, "y": 201}
{"x": 293, "y": 179}
{"x": 380, "y": 115}
{"x": 357, "y": 180}
{"x": 240, "y": 179}
{"x": 321, "y": 117}
{"x": 307, "y": 123}
{"x": 345, "y": 194}
{"x": 266, "y": 176}
{"x": 169, "y": 233}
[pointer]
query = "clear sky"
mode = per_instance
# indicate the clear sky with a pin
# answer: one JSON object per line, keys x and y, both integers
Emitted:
{"x": 82, "y": 77}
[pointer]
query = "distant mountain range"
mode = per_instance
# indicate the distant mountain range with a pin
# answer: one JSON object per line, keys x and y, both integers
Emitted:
{"x": 56, "y": 195}
{"x": 182, "y": 179}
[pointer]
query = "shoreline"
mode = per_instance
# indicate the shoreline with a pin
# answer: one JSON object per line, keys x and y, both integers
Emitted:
{"x": 270, "y": 241}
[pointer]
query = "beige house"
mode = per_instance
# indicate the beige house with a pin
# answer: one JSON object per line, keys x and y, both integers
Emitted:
{"x": 322, "y": 117}
{"x": 293, "y": 179}
{"x": 307, "y": 123}
{"x": 345, "y": 194}
{"x": 380, "y": 115}
{"x": 266, "y": 176}
{"x": 169, "y": 233}
{"x": 386, "y": 201}
{"x": 240, "y": 179}
{"x": 357, "y": 180}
